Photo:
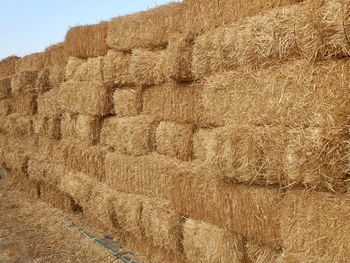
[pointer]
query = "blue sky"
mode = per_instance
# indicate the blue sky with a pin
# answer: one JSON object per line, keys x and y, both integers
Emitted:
{"x": 28, "y": 26}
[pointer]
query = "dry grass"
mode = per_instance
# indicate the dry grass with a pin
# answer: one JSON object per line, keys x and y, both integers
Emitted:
{"x": 88, "y": 98}
{"x": 127, "y": 102}
{"x": 250, "y": 211}
{"x": 261, "y": 254}
{"x": 32, "y": 62}
{"x": 5, "y": 87}
{"x": 130, "y": 135}
{"x": 49, "y": 104}
{"x": 147, "y": 29}
{"x": 5, "y": 107}
{"x": 24, "y": 81}
{"x": 208, "y": 243}
{"x": 173, "y": 102}
{"x": 86, "y": 41}
{"x": 315, "y": 225}
{"x": 175, "y": 140}
{"x": 55, "y": 55}
{"x": 148, "y": 175}
{"x": 7, "y": 66}
{"x": 310, "y": 29}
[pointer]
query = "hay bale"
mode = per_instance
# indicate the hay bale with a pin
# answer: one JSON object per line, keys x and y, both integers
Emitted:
{"x": 24, "y": 103}
{"x": 68, "y": 124}
{"x": 55, "y": 55}
{"x": 72, "y": 65}
{"x": 162, "y": 224}
{"x": 130, "y": 135}
{"x": 147, "y": 29}
{"x": 56, "y": 198}
{"x": 82, "y": 158}
{"x": 178, "y": 60}
{"x": 87, "y": 129}
{"x": 208, "y": 243}
{"x": 315, "y": 224}
{"x": 173, "y": 102}
{"x": 16, "y": 125}
{"x": 250, "y": 211}
{"x": 86, "y": 41}
{"x": 148, "y": 175}
{"x": 5, "y": 107}
{"x": 48, "y": 127}
{"x": 24, "y": 81}
{"x": 261, "y": 254}
{"x": 25, "y": 184}
{"x": 127, "y": 102}
{"x": 49, "y": 78}
{"x": 5, "y": 88}
{"x": 88, "y": 98}
{"x": 201, "y": 16}
{"x": 32, "y": 62}
{"x": 147, "y": 67}
{"x": 174, "y": 139}
{"x": 49, "y": 103}
{"x": 99, "y": 209}
{"x": 46, "y": 170}
{"x": 309, "y": 29}
{"x": 78, "y": 186}
{"x": 288, "y": 94}
{"x": 90, "y": 70}
{"x": 245, "y": 154}
{"x": 7, "y": 66}
{"x": 116, "y": 68}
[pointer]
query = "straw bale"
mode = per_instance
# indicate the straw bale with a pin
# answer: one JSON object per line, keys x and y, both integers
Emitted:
{"x": 250, "y": 211}
{"x": 173, "y": 102}
{"x": 315, "y": 224}
{"x": 310, "y": 29}
{"x": 130, "y": 135}
{"x": 72, "y": 65}
{"x": 148, "y": 175}
{"x": 174, "y": 139}
{"x": 90, "y": 70}
{"x": 46, "y": 126}
{"x": 147, "y": 29}
{"x": 52, "y": 195}
{"x": 49, "y": 104}
{"x": 5, "y": 88}
{"x": 208, "y": 243}
{"x": 99, "y": 209}
{"x": 178, "y": 60}
{"x": 261, "y": 254}
{"x": 55, "y": 55}
{"x": 246, "y": 154}
{"x": 127, "y": 102}
{"x": 24, "y": 183}
{"x": 127, "y": 210}
{"x": 7, "y": 66}
{"x": 201, "y": 16}
{"x": 288, "y": 94}
{"x": 68, "y": 123}
{"x": 5, "y": 107}
{"x": 16, "y": 125}
{"x": 46, "y": 170}
{"x": 88, "y": 98}
{"x": 48, "y": 147}
{"x": 162, "y": 224}
{"x": 86, "y": 41}
{"x": 24, "y": 103}
{"x": 32, "y": 62}
{"x": 24, "y": 81}
{"x": 83, "y": 158}
{"x": 49, "y": 78}
{"x": 116, "y": 68}
{"x": 147, "y": 67}
{"x": 79, "y": 186}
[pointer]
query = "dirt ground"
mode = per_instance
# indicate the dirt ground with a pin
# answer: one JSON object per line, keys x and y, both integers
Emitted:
{"x": 33, "y": 231}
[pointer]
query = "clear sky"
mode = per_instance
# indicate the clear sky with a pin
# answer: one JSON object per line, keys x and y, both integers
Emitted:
{"x": 28, "y": 26}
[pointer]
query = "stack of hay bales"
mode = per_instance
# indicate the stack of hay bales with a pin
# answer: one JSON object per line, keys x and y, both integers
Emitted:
{"x": 220, "y": 139}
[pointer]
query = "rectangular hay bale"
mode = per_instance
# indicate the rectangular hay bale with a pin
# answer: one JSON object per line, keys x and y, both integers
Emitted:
{"x": 24, "y": 103}
{"x": 49, "y": 103}
{"x": 49, "y": 78}
{"x": 23, "y": 81}
{"x": 130, "y": 135}
{"x": 5, "y": 107}
{"x": 32, "y": 62}
{"x": 88, "y": 98}
{"x": 86, "y": 41}
{"x": 56, "y": 198}
{"x": 72, "y": 65}
{"x": 5, "y": 87}
{"x": 116, "y": 68}
{"x": 7, "y": 66}
{"x": 49, "y": 127}
{"x": 127, "y": 102}
{"x": 55, "y": 55}
{"x": 204, "y": 242}
{"x": 174, "y": 139}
